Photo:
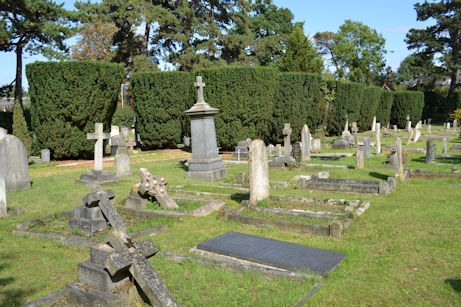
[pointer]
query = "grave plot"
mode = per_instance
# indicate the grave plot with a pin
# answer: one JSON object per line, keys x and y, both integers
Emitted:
{"x": 429, "y": 175}
{"x": 324, "y": 217}
{"x": 350, "y": 185}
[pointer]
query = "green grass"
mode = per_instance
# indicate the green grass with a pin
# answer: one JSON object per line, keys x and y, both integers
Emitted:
{"x": 404, "y": 250}
{"x": 182, "y": 205}
{"x": 288, "y": 218}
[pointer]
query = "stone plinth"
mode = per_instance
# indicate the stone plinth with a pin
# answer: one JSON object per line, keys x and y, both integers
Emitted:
{"x": 14, "y": 166}
{"x": 258, "y": 171}
{"x": 205, "y": 163}
{"x": 100, "y": 177}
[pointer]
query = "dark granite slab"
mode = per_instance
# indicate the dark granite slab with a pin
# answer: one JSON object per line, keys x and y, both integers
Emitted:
{"x": 274, "y": 253}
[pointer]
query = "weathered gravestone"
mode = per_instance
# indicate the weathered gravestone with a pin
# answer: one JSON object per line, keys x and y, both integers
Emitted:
{"x": 122, "y": 165}
{"x": 98, "y": 175}
{"x": 456, "y": 147}
{"x": 417, "y": 134}
{"x": 45, "y": 155}
{"x": 241, "y": 150}
{"x": 258, "y": 171}
{"x": 340, "y": 144}
{"x": 394, "y": 127}
{"x": 408, "y": 124}
{"x": 430, "y": 151}
{"x": 448, "y": 126}
{"x": 286, "y": 141}
{"x": 366, "y": 147}
{"x": 444, "y": 147}
{"x": 359, "y": 164}
{"x": 354, "y": 132}
{"x": 455, "y": 123}
{"x": 125, "y": 131}
{"x": 278, "y": 150}
{"x": 373, "y": 125}
{"x": 3, "y": 210}
{"x": 14, "y": 166}
{"x": 346, "y": 135}
{"x": 96, "y": 211}
{"x": 306, "y": 144}
{"x": 273, "y": 253}
{"x": 270, "y": 149}
{"x": 131, "y": 144}
{"x": 378, "y": 138}
{"x": 316, "y": 145}
{"x": 150, "y": 188}
{"x": 397, "y": 159}
{"x": 429, "y": 129}
{"x": 118, "y": 145}
{"x": 205, "y": 163}
{"x": 410, "y": 136}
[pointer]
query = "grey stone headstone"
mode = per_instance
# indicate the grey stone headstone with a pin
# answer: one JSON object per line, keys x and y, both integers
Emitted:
{"x": 270, "y": 149}
{"x": 394, "y": 127}
{"x": 306, "y": 143}
{"x": 45, "y": 155}
{"x": 448, "y": 126}
{"x": 274, "y": 253}
{"x": 455, "y": 123}
{"x": 287, "y": 141}
{"x": 444, "y": 147}
{"x": 366, "y": 147}
{"x": 430, "y": 151}
{"x": 122, "y": 165}
{"x": 14, "y": 166}
{"x": 316, "y": 144}
{"x": 3, "y": 211}
{"x": 429, "y": 121}
{"x": 278, "y": 150}
{"x": 340, "y": 144}
{"x": 258, "y": 171}
{"x": 125, "y": 132}
{"x": 378, "y": 138}
{"x": 429, "y": 129}
{"x": 359, "y": 163}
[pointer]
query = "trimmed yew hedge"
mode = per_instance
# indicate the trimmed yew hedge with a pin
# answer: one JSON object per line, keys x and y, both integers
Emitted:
{"x": 67, "y": 99}
{"x": 407, "y": 103}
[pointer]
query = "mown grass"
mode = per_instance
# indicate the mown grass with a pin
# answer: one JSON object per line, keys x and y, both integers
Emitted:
{"x": 290, "y": 218}
{"x": 404, "y": 250}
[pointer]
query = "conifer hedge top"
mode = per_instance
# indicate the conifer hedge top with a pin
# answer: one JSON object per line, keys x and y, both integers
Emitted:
{"x": 67, "y": 98}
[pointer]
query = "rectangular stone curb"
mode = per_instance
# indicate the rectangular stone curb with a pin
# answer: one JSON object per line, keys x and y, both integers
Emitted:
{"x": 145, "y": 214}
{"x": 47, "y": 300}
{"x": 149, "y": 231}
{"x": 241, "y": 267}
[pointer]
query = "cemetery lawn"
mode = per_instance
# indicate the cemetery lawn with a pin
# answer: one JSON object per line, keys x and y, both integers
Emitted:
{"x": 404, "y": 250}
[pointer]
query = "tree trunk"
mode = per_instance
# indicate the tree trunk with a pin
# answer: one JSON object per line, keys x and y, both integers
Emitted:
{"x": 146, "y": 39}
{"x": 18, "y": 85}
{"x": 454, "y": 61}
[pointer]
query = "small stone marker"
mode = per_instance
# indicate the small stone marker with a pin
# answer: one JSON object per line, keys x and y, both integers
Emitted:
{"x": 444, "y": 126}
{"x": 455, "y": 123}
{"x": 278, "y": 150}
{"x": 129, "y": 255}
{"x": 408, "y": 124}
{"x": 286, "y": 141}
{"x": 448, "y": 126}
{"x": 131, "y": 143}
{"x": 150, "y": 187}
{"x": 241, "y": 150}
{"x": 410, "y": 136}
{"x": 429, "y": 121}
{"x": 366, "y": 147}
{"x": 99, "y": 136}
{"x": 429, "y": 129}
{"x": 354, "y": 131}
{"x": 340, "y": 144}
{"x": 359, "y": 163}
{"x": 430, "y": 151}
{"x": 378, "y": 138}
{"x": 3, "y": 210}
{"x": 14, "y": 167}
{"x": 306, "y": 144}
{"x": 125, "y": 132}
{"x": 444, "y": 147}
{"x": 373, "y": 125}
{"x": 45, "y": 155}
{"x": 122, "y": 165}
{"x": 417, "y": 134}
{"x": 394, "y": 127}
{"x": 258, "y": 171}
{"x": 316, "y": 145}
{"x": 275, "y": 253}
{"x": 270, "y": 149}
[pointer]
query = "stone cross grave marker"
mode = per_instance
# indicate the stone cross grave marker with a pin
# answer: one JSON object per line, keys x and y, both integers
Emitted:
{"x": 155, "y": 187}
{"x": 359, "y": 163}
{"x": 354, "y": 131}
{"x": 378, "y": 138}
{"x": 366, "y": 147}
{"x": 258, "y": 171}
{"x": 286, "y": 142}
{"x": 444, "y": 147}
{"x": 99, "y": 136}
{"x": 306, "y": 144}
{"x": 3, "y": 211}
{"x": 199, "y": 84}
{"x": 129, "y": 255}
{"x": 373, "y": 126}
{"x": 131, "y": 143}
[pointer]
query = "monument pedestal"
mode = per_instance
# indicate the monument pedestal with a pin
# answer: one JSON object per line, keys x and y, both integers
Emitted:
{"x": 100, "y": 177}
{"x": 205, "y": 163}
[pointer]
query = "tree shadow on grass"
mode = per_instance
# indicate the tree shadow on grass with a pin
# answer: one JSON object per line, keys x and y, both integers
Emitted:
{"x": 455, "y": 284}
{"x": 11, "y": 297}
{"x": 240, "y": 196}
{"x": 378, "y": 175}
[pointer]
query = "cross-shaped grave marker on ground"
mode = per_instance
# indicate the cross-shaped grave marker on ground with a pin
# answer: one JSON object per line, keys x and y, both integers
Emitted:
{"x": 131, "y": 254}
{"x": 99, "y": 136}
{"x": 287, "y": 143}
{"x": 155, "y": 187}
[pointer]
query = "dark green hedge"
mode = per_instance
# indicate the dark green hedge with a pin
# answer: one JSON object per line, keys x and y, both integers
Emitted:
{"x": 407, "y": 103}
{"x": 370, "y": 104}
{"x": 67, "y": 98}
{"x": 383, "y": 113}
{"x": 438, "y": 106}
{"x": 6, "y": 121}
{"x": 245, "y": 98}
{"x": 298, "y": 102}
{"x": 160, "y": 99}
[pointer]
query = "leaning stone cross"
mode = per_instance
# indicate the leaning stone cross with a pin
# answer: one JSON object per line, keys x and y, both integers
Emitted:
{"x": 287, "y": 144}
{"x": 155, "y": 187}
{"x": 99, "y": 136}
{"x": 98, "y": 197}
{"x": 131, "y": 254}
{"x": 200, "y": 85}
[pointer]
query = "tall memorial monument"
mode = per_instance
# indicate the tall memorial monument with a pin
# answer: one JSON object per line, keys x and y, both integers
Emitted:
{"x": 205, "y": 163}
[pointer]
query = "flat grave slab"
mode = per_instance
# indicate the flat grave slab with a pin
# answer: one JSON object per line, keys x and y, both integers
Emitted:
{"x": 274, "y": 253}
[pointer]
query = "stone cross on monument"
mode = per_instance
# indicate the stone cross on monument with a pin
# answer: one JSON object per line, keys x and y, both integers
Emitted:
{"x": 99, "y": 136}
{"x": 200, "y": 85}
{"x": 286, "y": 142}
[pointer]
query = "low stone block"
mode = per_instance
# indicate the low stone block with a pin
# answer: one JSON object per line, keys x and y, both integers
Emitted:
{"x": 96, "y": 276}
{"x": 79, "y": 294}
{"x": 88, "y": 226}
{"x": 135, "y": 202}
{"x": 340, "y": 144}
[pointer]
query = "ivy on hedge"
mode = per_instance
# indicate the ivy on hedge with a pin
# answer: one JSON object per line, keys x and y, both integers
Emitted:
{"x": 67, "y": 99}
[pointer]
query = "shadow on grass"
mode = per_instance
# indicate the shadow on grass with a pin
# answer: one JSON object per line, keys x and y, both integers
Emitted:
{"x": 11, "y": 297}
{"x": 455, "y": 284}
{"x": 240, "y": 196}
{"x": 378, "y": 175}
